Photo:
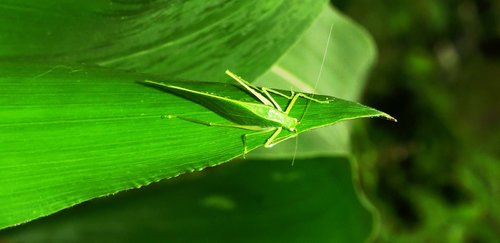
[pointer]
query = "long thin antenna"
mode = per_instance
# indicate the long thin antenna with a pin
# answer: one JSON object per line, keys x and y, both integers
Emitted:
{"x": 314, "y": 89}
{"x": 320, "y": 71}
{"x": 296, "y": 147}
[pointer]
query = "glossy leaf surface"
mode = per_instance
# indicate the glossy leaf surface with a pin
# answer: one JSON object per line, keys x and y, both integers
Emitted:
{"x": 70, "y": 134}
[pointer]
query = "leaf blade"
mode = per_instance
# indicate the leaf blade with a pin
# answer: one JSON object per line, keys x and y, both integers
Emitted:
{"x": 108, "y": 136}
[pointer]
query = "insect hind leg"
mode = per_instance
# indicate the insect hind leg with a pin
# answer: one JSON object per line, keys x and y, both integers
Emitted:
{"x": 213, "y": 124}
{"x": 259, "y": 130}
{"x": 271, "y": 141}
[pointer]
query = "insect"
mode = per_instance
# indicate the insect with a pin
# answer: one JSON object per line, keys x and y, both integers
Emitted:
{"x": 260, "y": 118}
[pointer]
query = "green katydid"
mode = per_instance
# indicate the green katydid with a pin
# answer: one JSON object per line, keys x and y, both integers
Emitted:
{"x": 261, "y": 117}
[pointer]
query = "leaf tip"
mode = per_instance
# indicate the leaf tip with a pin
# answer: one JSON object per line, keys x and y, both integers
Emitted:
{"x": 388, "y": 117}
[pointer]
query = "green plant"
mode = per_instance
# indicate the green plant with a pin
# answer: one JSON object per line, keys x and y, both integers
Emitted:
{"x": 73, "y": 132}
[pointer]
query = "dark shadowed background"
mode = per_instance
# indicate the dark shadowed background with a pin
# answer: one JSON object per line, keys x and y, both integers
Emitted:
{"x": 434, "y": 176}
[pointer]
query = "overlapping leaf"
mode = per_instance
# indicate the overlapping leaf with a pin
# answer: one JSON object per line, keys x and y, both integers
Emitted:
{"x": 265, "y": 201}
{"x": 191, "y": 39}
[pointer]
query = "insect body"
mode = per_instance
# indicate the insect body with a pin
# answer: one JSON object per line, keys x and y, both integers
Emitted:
{"x": 261, "y": 117}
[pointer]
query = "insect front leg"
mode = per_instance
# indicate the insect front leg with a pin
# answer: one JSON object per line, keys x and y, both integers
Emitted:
{"x": 270, "y": 141}
{"x": 273, "y": 141}
{"x": 244, "y": 137}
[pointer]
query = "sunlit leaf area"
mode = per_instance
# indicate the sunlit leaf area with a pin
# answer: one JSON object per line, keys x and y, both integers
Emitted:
{"x": 249, "y": 121}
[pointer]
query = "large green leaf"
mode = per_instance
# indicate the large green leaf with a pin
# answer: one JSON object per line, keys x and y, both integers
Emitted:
{"x": 193, "y": 39}
{"x": 265, "y": 201}
{"x": 351, "y": 53}
{"x": 70, "y": 134}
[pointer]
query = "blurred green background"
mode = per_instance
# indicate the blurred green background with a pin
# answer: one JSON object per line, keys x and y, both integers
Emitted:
{"x": 435, "y": 177}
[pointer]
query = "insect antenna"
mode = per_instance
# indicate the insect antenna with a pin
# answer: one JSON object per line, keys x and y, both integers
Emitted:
{"x": 320, "y": 71}
{"x": 296, "y": 147}
{"x": 314, "y": 89}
